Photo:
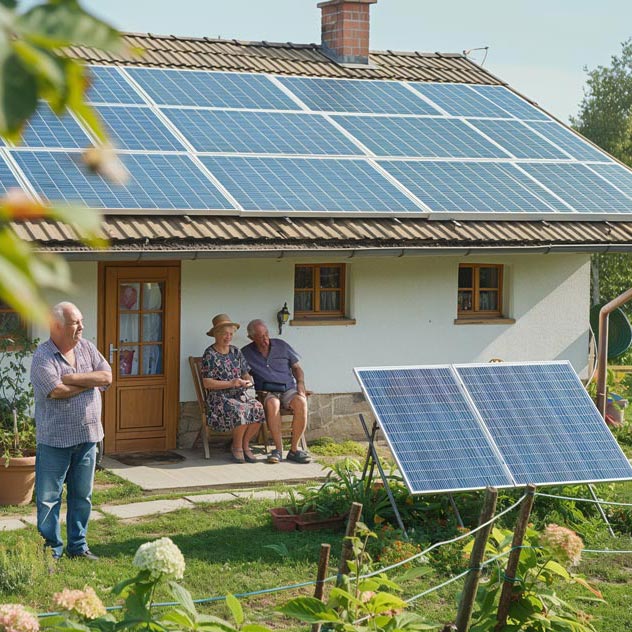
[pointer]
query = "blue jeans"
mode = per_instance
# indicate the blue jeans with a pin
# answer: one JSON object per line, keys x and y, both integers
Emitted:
{"x": 75, "y": 467}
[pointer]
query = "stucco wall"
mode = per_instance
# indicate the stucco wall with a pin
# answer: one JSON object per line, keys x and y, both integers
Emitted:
{"x": 404, "y": 310}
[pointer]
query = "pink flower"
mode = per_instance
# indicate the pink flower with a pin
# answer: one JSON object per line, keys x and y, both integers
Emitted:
{"x": 563, "y": 543}
{"x": 15, "y": 618}
{"x": 84, "y": 602}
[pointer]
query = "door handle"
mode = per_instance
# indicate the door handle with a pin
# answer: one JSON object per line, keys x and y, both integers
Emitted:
{"x": 112, "y": 350}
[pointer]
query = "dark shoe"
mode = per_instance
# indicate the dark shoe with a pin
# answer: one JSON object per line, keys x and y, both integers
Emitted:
{"x": 85, "y": 555}
{"x": 249, "y": 457}
{"x": 237, "y": 456}
{"x": 298, "y": 456}
{"x": 275, "y": 456}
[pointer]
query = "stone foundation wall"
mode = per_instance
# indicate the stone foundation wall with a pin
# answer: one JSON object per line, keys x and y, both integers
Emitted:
{"x": 330, "y": 415}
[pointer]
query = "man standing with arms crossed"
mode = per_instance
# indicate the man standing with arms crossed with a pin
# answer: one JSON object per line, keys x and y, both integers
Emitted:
{"x": 67, "y": 374}
{"x": 274, "y": 364}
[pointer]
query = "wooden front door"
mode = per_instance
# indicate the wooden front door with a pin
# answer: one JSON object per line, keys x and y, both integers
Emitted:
{"x": 140, "y": 316}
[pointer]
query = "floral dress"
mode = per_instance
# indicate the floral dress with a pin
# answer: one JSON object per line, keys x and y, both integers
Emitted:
{"x": 229, "y": 407}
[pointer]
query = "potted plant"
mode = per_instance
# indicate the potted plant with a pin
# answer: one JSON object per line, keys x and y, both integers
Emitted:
{"x": 17, "y": 430}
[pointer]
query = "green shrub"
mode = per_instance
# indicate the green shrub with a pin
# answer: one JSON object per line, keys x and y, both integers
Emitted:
{"x": 20, "y": 565}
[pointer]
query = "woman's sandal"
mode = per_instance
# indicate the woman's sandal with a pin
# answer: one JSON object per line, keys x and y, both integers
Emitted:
{"x": 249, "y": 457}
{"x": 237, "y": 456}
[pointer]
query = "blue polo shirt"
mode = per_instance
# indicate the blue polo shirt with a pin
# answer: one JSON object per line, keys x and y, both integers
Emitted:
{"x": 277, "y": 367}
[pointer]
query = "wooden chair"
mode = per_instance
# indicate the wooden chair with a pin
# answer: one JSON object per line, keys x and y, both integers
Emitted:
{"x": 195, "y": 362}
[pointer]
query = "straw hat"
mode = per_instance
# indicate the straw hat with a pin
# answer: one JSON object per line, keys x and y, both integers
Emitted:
{"x": 219, "y": 321}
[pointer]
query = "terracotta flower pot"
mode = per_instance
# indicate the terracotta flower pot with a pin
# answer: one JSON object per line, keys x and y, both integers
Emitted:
{"x": 17, "y": 480}
{"x": 311, "y": 521}
{"x": 282, "y": 519}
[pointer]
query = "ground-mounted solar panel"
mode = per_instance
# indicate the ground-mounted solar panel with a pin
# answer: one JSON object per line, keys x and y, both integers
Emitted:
{"x": 518, "y": 139}
{"x": 472, "y": 187}
{"x": 47, "y": 129}
{"x": 434, "y": 434}
{"x": 423, "y": 137}
{"x": 201, "y": 88}
{"x": 511, "y": 103}
{"x": 137, "y": 128}
{"x": 580, "y": 187}
{"x": 459, "y": 99}
{"x": 568, "y": 141}
{"x": 232, "y": 131}
{"x": 356, "y": 95}
{"x": 306, "y": 185}
{"x": 544, "y": 423}
{"x": 108, "y": 85}
{"x": 157, "y": 182}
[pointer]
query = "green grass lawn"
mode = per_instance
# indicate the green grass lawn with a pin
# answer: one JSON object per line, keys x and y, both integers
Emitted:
{"x": 226, "y": 550}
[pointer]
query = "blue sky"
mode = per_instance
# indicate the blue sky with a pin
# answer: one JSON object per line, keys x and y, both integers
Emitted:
{"x": 540, "y": 47}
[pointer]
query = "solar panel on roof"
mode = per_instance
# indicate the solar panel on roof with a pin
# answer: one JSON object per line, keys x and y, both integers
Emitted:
{"x": 579, "y": 186}
{"x": 511, "y": 103}
{"x": 260, "y": 132}
{"x": 137, "y": 128}
{"x": 304, "y": 184}
{"x": 46, "y": 129}
{"x": 459, "y": 99}
{"x": 434, "y": 434}
{"x": 423, "y": 137}
{"x": 475, "y": 187}
{"x": 356, "y": 95}
{"x": 7, "y": 179}
{"x": 211, "y": 89}
{"x": 568, "y": 141}
{"x": 518, "y": 139}
{"x": 617, "y": 175}
{"x": 109, "y": 86}
{"x": 544, "y": 423}
{"x": 171, "y": 182}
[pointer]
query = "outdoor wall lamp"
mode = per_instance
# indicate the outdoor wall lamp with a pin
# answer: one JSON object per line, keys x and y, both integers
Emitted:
{"x": 283, "y": 315}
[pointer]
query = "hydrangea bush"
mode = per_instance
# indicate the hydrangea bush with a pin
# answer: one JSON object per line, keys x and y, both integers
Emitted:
{"x": 15, "y": 618}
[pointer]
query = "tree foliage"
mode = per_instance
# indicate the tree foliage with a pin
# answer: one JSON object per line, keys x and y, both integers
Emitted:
{"x": 33, "y": 68}
{"x": 605, "y": 117}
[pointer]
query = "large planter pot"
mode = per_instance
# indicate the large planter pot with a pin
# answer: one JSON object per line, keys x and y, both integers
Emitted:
{"x": 282, "y": 519}
{"x": 17, "y": 480}
{"x": 311, "y": 521}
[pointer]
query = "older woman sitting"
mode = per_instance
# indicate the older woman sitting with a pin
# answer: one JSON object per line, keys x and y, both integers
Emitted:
{"x": 231, "y": 402}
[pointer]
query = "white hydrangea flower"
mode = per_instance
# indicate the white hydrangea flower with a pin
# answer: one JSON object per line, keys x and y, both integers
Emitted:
{"x": 160, "y": 557}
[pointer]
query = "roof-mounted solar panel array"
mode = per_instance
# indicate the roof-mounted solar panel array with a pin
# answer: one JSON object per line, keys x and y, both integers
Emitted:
{"x": 465, "y": 427}
{"x": 383, "y": 148}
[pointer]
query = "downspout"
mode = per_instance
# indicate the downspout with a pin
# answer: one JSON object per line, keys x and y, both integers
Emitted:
{"x": 602, "y": 351}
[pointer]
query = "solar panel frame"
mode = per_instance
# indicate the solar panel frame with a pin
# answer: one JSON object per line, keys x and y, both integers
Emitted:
{"x": 45, "y": 129}
{"x": 109, "y": 85}
{"x": 206, "y": 88}
{"x": 260, "y": 132}
{"x": 369, "y": 96}
{"x": 304, "y": 186}
{"x": 513, "y": 104}
{"x": 8, "y": 180}
{"x": 157, "y": 182}
{"x": 499, "y": 476}
{"x": 426, "y": 137}
{"x": 570, "y": 142}
{"x": 571, "y": 403}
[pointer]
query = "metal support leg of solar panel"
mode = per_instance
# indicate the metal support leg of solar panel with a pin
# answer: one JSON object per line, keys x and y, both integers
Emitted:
{"x": 373, "y": 460}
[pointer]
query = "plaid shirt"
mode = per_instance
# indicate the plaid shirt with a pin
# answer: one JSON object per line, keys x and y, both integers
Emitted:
{"x": 62, "y": 423}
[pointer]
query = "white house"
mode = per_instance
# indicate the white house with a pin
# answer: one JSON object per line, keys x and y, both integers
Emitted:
{"x": 415, "y": 279}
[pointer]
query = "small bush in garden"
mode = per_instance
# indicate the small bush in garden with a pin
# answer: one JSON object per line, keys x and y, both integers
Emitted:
{"x": 544, "y": 564}
{"x": 20, "y": 565}
{"x": 16, "y": 618}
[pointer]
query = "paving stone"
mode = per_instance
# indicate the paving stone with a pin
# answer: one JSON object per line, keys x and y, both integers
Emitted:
{"x": 261, "y": 494}
{"x": 211, "y": 498}
{"x": 11, "y": 524}
{"x": 147, "y": 508}
{"x": 32, "y": 519}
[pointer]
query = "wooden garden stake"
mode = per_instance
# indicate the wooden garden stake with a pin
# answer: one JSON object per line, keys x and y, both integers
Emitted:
{"x": 514, "y": 558}
{"x": 478, "y": 551}
{"x": 347, "y": 546}
{"x": 323, "y": 566}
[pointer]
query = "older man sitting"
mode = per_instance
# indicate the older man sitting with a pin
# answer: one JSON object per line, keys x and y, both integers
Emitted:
{"x": 275, "y": 368}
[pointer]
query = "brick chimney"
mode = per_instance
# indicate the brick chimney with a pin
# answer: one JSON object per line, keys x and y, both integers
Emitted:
{"x": 345, "y": 30}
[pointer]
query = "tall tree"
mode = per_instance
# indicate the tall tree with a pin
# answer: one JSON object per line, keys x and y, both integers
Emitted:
{"x": 34, "y": 69}
{"x": 605, "y": 117}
